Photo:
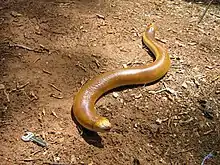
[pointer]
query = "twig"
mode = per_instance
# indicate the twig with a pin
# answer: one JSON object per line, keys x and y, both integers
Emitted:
{"x": 43, "y": 47}
{"x": 33, "y": 95}
{"x": 36, "y": 60}
{"x": 24, "y": 47}
{"x": 30, "y": 160}
{"x": 210, "y": 155}
{"x": 159, "y": 91}
{"x": 55, "y": 87}
{"x": 26, "y": 94}
{"x": 18, "y": 87}
{"x": 80, "y": 65}
{"x": 53, "y": 113}
{"x": 100, "y": 16}
{"x": 187, "y": 150}
{"x": 45, "y": 71}
{"x": 205, "y": 11}
{"x": 55, "y": 163}
{"x": 97, "y": 63}
{"x": 167, "y": 89}
{"x": 55, "y": 96}
{"x": 7, "y": 95}
{"x": 207, "y": 132}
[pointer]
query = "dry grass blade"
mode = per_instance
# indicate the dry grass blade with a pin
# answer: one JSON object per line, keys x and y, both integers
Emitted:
{"x": 205, "y": 11}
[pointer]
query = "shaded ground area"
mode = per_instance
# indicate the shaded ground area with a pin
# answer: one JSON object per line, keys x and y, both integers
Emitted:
{"x": 48, "y": 49}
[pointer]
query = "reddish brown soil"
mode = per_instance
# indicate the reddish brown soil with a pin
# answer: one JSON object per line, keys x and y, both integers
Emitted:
{"x": 65, "y": 43}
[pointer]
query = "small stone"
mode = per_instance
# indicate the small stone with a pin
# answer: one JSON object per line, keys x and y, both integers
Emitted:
{"x": 175, "y": 124}
{"x": 197, "y": 83}
{"x": 181, "y": 61}
{"x": 162, "y": 161}
{"x": 124, "y": 65}
{"x": 56, "y": 158}
{"x": 209, "y": 67}
{"x": 192, "y": 43}
{"x": 43, "y": 112}
{"x": 121, "y": 100}
{"x": 135, "y": 125}
{"x": 2, "y": 86}
{"x": 122, "y": 49}
{"x": 159, "y": 121}
{"x": 100, "y": 16}
{"x": 164, "y": 98}
{"x": 184, "y": 85}
{"x": 180, "y": 44}
{"x": 138, "y": 96}
{"x": 197, "y": 133}
{"x": 15, "y": 14}
{"x": 110, "y": 32}
{"x": 115, "y": 94}
{"x": 172, "y": 91}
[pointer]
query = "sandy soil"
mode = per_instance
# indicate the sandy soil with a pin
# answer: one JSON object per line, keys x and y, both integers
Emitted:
{"x": 49, "y": 49}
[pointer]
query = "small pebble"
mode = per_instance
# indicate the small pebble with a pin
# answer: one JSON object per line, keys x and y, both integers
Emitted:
{"x": 135, "y": 125}
{"x": 184, "y": 85}
{"x": 115, "y": 94}
{"x": 121, "y": 100}
{"x": 110, "y": 32}
{"x": 159, "y": 121}
{"x": 197, "y": 83}
{"x": 138, "y": 96}
{"x": 56, "y": 158}
{"x": 124, "y": 65}
{"x": 2, "y": 86}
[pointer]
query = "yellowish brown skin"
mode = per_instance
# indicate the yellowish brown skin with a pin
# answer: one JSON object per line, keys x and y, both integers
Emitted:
{"x": 84, "y": 102}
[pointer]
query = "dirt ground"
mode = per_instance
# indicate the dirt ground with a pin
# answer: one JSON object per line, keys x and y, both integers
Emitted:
{"x": 49, "y": 48}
